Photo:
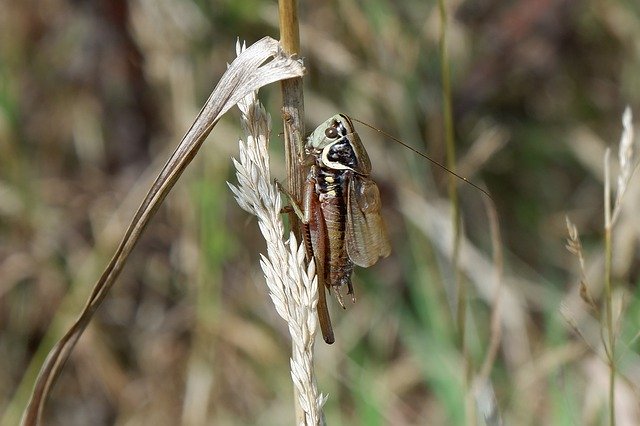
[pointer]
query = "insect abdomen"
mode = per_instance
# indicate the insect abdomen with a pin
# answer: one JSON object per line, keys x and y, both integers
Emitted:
{"x": 331, "y": 187}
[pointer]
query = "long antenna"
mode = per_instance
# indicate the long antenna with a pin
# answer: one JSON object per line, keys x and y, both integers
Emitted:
{"x": 462, "y": 178}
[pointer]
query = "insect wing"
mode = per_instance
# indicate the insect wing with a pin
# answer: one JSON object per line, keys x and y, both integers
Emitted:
{"x": 366, "y": 236}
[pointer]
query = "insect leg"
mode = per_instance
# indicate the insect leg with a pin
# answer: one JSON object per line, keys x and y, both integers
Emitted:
{"x": 315, "y": 238}
{"x": 293, "y": 203}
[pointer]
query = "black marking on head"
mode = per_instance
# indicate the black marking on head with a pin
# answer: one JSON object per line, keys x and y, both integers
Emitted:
{"x": 342, "y": 152}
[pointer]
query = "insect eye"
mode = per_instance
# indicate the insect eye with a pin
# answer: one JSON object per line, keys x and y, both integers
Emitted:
{"x": 331, "y": 133}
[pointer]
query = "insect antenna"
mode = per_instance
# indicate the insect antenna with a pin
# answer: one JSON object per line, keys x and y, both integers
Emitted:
{"x": 443, "y": 167}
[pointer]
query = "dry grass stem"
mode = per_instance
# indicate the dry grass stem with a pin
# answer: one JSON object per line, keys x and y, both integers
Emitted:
{"x": 292, "y": 286}
{"x": 611, "y": 323}
{"x": 485, "y": 397}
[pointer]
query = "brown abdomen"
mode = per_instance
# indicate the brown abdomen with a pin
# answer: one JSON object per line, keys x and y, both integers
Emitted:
{"x": 333, "y": 201}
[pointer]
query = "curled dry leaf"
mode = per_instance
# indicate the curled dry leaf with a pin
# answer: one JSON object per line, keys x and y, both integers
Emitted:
{"x": 256, "y": 66}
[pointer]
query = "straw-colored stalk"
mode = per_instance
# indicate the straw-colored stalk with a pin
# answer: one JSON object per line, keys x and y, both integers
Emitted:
{"x": 625, "y": 156}
{"x": 609, "y": 321}
{"x": 461, "y": 285}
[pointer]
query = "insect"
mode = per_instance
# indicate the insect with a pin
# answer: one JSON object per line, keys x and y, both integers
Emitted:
{"x": 340, "y": 211}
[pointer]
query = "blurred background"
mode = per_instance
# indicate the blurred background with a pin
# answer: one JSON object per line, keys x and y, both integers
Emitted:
{"x": 95, "y": 94}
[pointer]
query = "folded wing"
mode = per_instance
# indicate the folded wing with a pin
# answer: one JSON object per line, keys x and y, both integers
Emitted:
{"x": 366, "y": 236}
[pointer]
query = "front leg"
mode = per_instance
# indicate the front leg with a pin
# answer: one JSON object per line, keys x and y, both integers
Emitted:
{"x": 293, "y": 203}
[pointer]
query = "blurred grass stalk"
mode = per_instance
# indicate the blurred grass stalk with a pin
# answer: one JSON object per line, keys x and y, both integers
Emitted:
{"x": 609, "y": 323}
{"x": 460, "y": 284}
{"x": 625, "y": 156}
{"x": 609, "y": 345}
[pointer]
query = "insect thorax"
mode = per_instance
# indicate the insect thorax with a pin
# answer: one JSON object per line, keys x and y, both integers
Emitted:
{"x": 330, "y": 183}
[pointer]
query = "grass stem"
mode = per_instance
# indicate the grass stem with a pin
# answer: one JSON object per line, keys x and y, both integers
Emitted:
{"x": 610, "y": 344}
{"x": 461, "y": 293}
{"x": 292, "y": 106}
{"x": 293, "y": 116}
